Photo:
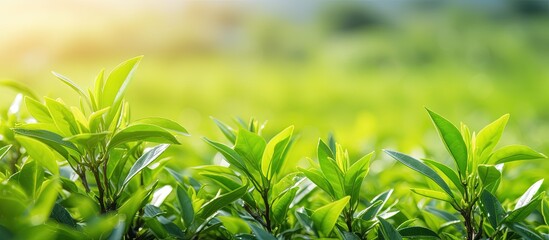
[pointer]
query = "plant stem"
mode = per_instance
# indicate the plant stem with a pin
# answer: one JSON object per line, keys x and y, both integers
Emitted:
{"x": 265, "y": 196}
{"x": 100, "y": 189}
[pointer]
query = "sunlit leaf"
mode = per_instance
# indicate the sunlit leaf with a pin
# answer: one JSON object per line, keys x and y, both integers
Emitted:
{"x": 488, "y": 138}
{"x": 452, "y": 140}
{"x": 143, "y": 162}
{"x": 325, "y": 217}
{"x": 142, "y": 132}
{"x": 514, "y": 153}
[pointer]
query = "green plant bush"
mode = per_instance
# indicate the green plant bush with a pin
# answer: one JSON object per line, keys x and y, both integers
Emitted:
{"x": 90, "y": 172}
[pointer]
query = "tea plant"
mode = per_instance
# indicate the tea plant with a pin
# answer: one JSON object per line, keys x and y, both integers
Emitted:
{"x": 89, "y": 172}
{"x": 475, "y": 177}
{"x": 262, "y": 163}
{"x": 99, "y": 144}
{"x": 342, "y": 181}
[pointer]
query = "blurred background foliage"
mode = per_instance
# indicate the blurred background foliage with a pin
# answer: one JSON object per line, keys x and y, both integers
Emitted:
{"x": 360, "y": 70}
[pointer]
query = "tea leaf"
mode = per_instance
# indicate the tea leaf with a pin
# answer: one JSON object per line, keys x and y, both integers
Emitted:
{"x": 433, "y": 194}
{"x": 421, "y": 168}
{"x": 186, "y": 205}
{"x": 492, "y": 208}
{"x": 514, "y": 153}
{"x": 453, "y": 141}
{"x": 275, "y": 151}
{"x": 387, "y": 230}
{"x": 325, "y": 217}
{"x": 488, "y": 138}
{"x": 143, "y": 162}
{"x": 142, "y": 132}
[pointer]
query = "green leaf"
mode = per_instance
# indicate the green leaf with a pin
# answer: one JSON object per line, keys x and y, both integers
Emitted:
{"x": 529, "y": 194}
{"x": 43, "y": 205}
{"x": 143, "y": 162}
{"x": 275, "y": 151}
{"x": 325, "y": 217}
{"x": 261, "y": 234}
{"x": 226, "y": 130}
{"x": 220, "y": 201}
{"x": 51, "y": 139}
{"x": 30, "y": 177}
{"x": 323, "y": 151}
{"x": 448, "y": 172}
{"x": 72, "y": 85}
{"x": 19, "y": 87}
{"x": 420, "y": 167}
{"x": 545, "y": 211}
{"x": 453, "y": 141}
{"x": 417, "y": 232}
{"x": 355, "y": 176}
{"x": 251, "y": 147}
{"x": 525, "y": 232}
{"x": 115, "y": 86}
{"x": 142, "y": 132}
{"x": 87, "y": 139}
{"x": 38, "y": 110}
{"x": 62, "y": 117}
{"x": 61, "y": 215}
{"x": 490, "y": 177}
{"x": 377, "y": 204}
{"x": 129, "y": 208}
{"x": 387, "y": 230}
{"x": 98, "y": 89}
{"x": 187, "y": 211}
{"x": 433, "y": 194}
{"x": 230, "y": 155}
{"x": 282, "y": 204}
{"x": 492, "y": 208}
{"x": 318, "y": 179}
{"x": 334, "y": 176}
{"x": 488, "y": 138}
{"x": 519, "y": 214}
{"x": 164, "y": 123}
{"x": 95, "y": 119}
{"x": 234, "y": 225}
{"x": 4, "y": 150}
{"x": 514, "y": 153}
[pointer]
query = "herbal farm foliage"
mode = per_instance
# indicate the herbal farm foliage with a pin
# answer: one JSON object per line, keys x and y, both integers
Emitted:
{"x": 342, "y": 180}
{"x": 475, "y": 178}
{"x": 90, "y": 172}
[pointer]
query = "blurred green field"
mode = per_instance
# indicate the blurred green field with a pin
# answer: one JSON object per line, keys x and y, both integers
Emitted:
{"x": 363, "y": 72}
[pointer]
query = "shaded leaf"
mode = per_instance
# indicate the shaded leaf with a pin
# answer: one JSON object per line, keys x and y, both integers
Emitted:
{"x": 387, "y": 230}
{"x": 186, "y": 205}
{"x": 417, "y": 232}
{"x": 282, "y": 204}
{"x": 492, "y": 208}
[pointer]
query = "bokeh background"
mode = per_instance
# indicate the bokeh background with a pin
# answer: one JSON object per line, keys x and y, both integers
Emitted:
{"x": 363, "y": 71}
